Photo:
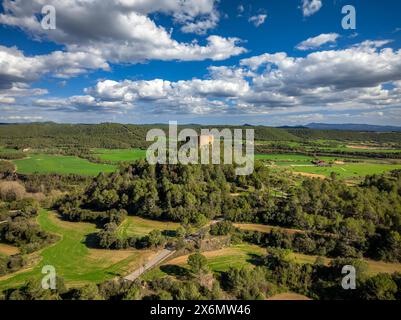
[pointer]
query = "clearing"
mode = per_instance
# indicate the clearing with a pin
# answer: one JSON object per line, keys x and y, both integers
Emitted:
{"x": 44, "y": 163}
{"x": 347, "y": 170}
{"x": 136, "y": 226}
{"x": 120, "y": 155}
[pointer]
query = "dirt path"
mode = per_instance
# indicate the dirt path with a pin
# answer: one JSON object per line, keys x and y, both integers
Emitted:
{"x": 160, "y": 257}
{"x": 8, "y": 250}
{"x": 289, "y": 296}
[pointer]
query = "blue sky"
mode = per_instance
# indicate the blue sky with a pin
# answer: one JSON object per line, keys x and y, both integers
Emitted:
{"x": 286, "y": 62}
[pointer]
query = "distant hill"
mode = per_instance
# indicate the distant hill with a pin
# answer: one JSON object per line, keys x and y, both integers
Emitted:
{"x": 353, "y": 127}
{"x": 113, "y": 135}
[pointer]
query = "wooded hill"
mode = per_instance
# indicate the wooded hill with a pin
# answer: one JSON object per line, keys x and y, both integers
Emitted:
{"x": 111, "y": 135}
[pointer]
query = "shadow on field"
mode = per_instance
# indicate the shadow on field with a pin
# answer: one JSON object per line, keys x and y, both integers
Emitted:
{"x": 176, "y": 271}
{"x": 169, "y": 233}
{"x": 92, "y": 241}
{"x": 255, "y": 259}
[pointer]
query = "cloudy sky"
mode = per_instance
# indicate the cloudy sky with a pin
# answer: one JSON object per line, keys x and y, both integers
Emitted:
{"x": 286, "y": 62}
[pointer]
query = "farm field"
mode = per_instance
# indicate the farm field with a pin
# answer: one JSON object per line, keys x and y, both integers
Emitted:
{"x": 347, "y": 171}
{"x": 284, "y": 157}
{"x": 356, "y": 148}
{"x": 73, "y": 260}
{"x": 136, "y": 226}
{"x": 44, "y": 163}
{"x": 120, "y": 155}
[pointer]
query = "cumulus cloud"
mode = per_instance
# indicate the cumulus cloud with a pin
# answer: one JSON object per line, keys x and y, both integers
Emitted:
{"x": 310, "y": 7}
{"x": 362, "y": 77}
{"x": 258, "y": 20}
{"x": 318, "y": 41}
{"x": 121, "y": 31}
{"x": 202, "y": 25}
{"x": 15, "y": 67}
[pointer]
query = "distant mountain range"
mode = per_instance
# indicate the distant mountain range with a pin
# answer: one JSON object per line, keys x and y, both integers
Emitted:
{"x": 353, "y": 127}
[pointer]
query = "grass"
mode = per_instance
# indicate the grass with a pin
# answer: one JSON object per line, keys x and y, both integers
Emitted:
{"x": 136, "y": 226}
{"x": 119, "y": 155}
{"x": 7, "y": 150}
{"x": 284, "y": 157}
{"x": 357, "y": 150}
{"x": 73, "y": 260}
{"x": 43, "y": 163}
{"x": 348, "y": 170}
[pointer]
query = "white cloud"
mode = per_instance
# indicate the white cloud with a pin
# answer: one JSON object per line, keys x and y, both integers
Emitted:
{"x": 318, "y": 41}
{"x": 126, "y": 34}
{"x": 331, "y": 80}
{"x": 258, "y": 20}
{"x": 203, "y": 25}
{"x": 21, "y": 118}
{"x": 6, "y": 100}
{"x": 310, "y": 7}
{"x": 373, "y": 43}
{"x": 15, "y": 67}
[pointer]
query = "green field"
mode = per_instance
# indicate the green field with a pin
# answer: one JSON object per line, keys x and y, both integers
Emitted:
{"x": 359, "y": 150}
{"x": 73, "y": 260}
{"x": 299, "y": 159}
{"x": 284, "y": 157}
{"x": 6, "y": 150}
{"x": 348, "y": 170}
{"x": 118, "y": 155}
{"x": 136, "y": 226}
{"x": 44, "y": 163}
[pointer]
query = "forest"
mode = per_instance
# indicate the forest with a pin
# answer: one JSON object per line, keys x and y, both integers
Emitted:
{"x": 233, "y": 237}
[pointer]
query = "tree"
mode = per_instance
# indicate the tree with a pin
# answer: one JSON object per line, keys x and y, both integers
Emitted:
{"x": 88, "y": 292}
{"x": 155, "y": 239}
{"x": 379, "y": 287}
{"x": 197, "y": 263}
{"x": 221, "y": 228}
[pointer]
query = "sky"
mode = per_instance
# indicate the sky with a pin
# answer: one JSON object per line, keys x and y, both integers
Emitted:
{"x": 262, "y": 62}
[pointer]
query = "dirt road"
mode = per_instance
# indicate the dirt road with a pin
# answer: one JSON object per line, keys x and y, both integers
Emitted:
{"x": 160, "y": 257}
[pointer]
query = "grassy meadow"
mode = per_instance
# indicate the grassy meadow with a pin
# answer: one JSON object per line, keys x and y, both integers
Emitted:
{"x": 44, "y": 163}
{"x": 119, "y": 155}
{"x": 347, "y": 171}
{"x": 136, "y": 226}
